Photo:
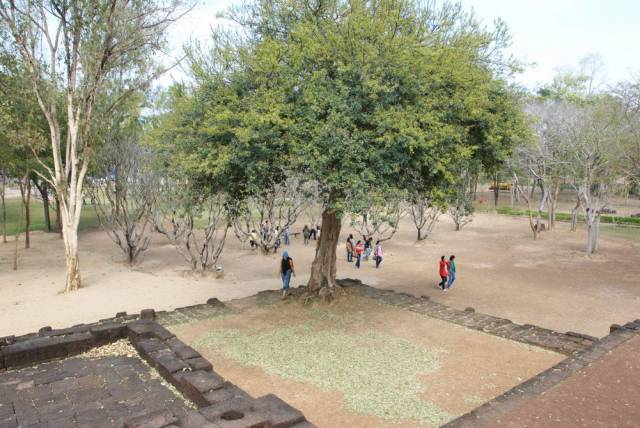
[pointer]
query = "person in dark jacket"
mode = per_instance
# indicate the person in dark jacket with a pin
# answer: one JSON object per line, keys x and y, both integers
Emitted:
{"x": 286, "y": 270}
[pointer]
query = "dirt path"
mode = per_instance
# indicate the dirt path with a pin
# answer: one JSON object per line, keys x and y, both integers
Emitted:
{"x": 501, "y": 271}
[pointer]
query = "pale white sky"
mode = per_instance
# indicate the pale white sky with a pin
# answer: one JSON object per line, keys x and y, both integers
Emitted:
{"x": 550, "y": 33}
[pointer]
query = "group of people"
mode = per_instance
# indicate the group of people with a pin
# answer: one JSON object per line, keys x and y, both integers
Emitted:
{"x": 447, "y": 272}
{"x": 363, "y": 250}
{"x": 266, "y": 233}
{"x": 308, "y": 232}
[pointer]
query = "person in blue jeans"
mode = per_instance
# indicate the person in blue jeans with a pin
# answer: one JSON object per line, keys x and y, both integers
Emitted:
{"x": 452, "y": 271}
{"x": 377, "y": 253}
{"x": 286, "y": 270}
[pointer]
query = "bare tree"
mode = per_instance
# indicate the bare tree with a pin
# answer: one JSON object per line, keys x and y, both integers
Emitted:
{"x": 24, "y": 184}
{"x": 628, "y": 145}
{"x": 196, "y": 225}
{"x": 526, "y": 197}
{"x": 72, "y": 48}
{"x": 124, "y": 194}
{"x": 593, "y": 130}
{"x": 424, "y": 213}
{"x": 268, "y": 214}
{"x": 546, "y": 158}
{"x": 461, "y": 200}
{"x": 380, "y": 220}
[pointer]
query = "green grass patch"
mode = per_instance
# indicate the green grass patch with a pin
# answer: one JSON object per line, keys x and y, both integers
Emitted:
{"x": 561, "y": 216}
{"x": 376, "y": 372}
{"x": 88, "y": 219}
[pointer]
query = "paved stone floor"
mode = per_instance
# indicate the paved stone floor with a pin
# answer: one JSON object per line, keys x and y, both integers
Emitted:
{"x": 605, "y": 393}
{"x": 83, "y": 392}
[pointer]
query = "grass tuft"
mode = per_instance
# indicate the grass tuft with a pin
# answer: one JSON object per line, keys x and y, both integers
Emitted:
{"x": 377, "y": 373}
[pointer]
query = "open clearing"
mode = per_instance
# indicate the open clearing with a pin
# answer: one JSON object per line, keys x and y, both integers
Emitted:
{"x": 368, "y": 363}
{"x": 501, "y": 271}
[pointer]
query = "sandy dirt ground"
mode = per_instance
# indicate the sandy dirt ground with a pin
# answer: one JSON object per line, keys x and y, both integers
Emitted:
{"x": 471, "y": 367}
{"x": 501, "y": 271}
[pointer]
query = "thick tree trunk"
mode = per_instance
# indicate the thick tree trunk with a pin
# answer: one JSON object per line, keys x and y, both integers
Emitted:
{"x": 16, "y": 237}
{"x": 44, "y": 194}
{"x": 574, "y": 216}
{"x": 496, "y": 189}
{"x": 552, "y": 204}
{"x": 323, "y": 269}
{"x": 72, "y": 260}
{"x": 25, "y": 194}
{"x": 58, "y": 217}
{"x": 419, "y": 234}
{"x": 27, "y": 216}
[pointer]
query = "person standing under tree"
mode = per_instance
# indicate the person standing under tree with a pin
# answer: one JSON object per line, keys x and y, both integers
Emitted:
{"x": 286, "y": 270}
{"x": 286, "y": 236}
{"x": 359, "y": 250}
{"x": 452, "y": 270}
{"x": 444, "y": 274}
{"x": 377, "y": 253}
{"x": 253, "y": 239}
{"x": 306, "y": 233}
{"x": 350, "y": 248}
{"x": 367, "y": 247}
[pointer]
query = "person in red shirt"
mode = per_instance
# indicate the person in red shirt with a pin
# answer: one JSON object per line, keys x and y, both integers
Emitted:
{"x": 359, "y": 251}
{"x": 444, "y": 273}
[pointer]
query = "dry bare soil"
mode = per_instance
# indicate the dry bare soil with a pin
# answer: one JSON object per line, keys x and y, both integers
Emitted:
{"x": 501, "y": 271}
{"x": 359, "y": 363}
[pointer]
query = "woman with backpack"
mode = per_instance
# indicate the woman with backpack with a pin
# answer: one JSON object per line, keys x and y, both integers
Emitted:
{"x": 286, "y": 270}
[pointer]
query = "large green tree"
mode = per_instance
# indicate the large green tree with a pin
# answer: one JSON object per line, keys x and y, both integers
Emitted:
{"x": 361, "y": 98}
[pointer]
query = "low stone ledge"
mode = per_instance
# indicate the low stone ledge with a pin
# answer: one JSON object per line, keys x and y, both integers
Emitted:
{"x": 145, "y": 329}
{"x": 148, "y": 314}
{"x": 227, "y": 392}
{"x": 196, "y": 384}
{"x": 108, "y": 332}
{"x": 166, "y": 362}
{"x": 279, "y": 413}
{"x": 157, "y": 419}
{"x": 182, "y": 350}
{"x": 542, "y": 382}
{"x": 236, "y": 412}
{"x": 199, "y": 363}
{"x": 42, "y": 349}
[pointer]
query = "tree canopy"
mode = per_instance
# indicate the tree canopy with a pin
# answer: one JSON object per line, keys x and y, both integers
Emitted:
{"x": 363, "y": 98}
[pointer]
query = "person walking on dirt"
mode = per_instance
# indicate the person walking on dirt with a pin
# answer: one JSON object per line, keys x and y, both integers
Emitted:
{"x": 359, "y": 250}
{"x": 367, "y": 247}
{"x": 350, "y": 248}
{"x": 452, "y": 270}
{"x": 286, "y": 236}
{"x": 306, "y": 233}
{"x": 444, "y": 273}
{"x": 377, "y": 253}
{"x": 286, "y": 270}
{"x": 253, "y": 239}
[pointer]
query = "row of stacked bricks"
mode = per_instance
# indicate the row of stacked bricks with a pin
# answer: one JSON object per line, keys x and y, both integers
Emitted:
{"x": 220, "y": 403}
